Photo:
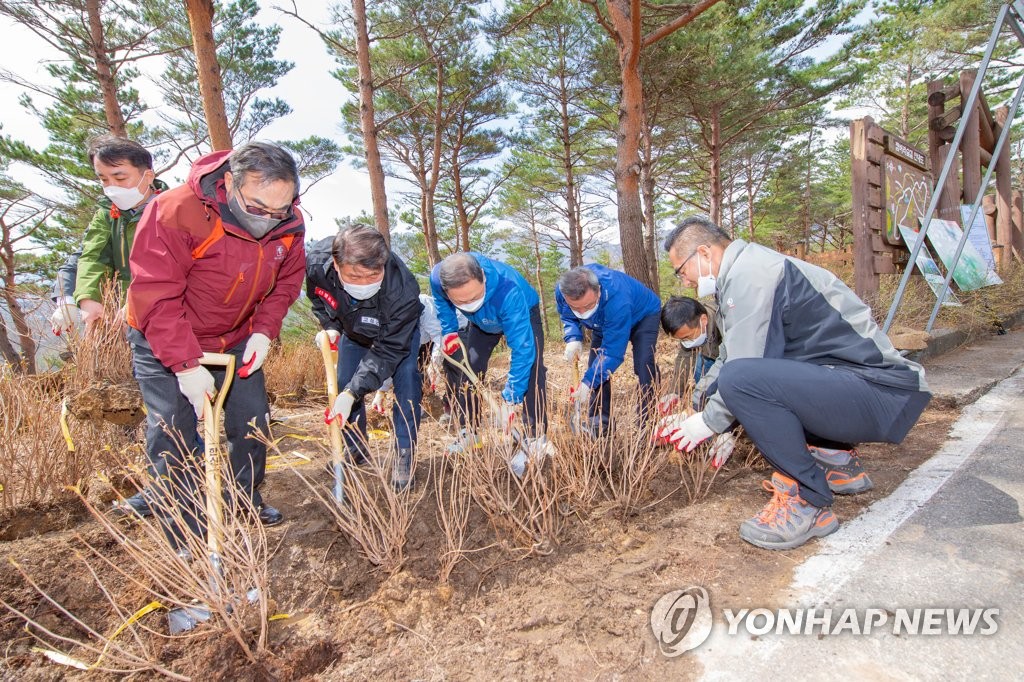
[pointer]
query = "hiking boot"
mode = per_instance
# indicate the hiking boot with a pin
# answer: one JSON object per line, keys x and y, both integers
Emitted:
{"x": 843, "y": 470}
{"x": 185, "y": 554}
{"x": 137, "y": 505}
{"x": 357, "y": 456}
{"x": 401, "y": 473}
{"x": 466, "y": 442}
{"x": 787, "y": 521}
{"x": 269, "y": 516}
{"x": 532, "y": 450}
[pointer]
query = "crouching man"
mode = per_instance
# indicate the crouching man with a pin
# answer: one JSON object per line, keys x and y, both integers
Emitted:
{"x": 368, "y": 303}
{"x": 801, "y": 358}
{"x": 215, "y": 266}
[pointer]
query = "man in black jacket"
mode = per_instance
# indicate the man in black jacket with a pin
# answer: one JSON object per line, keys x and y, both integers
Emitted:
{"x": 368, "y": 303}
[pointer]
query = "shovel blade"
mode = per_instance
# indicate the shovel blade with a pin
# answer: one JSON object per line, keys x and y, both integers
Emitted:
{"x": 187, "y": 618}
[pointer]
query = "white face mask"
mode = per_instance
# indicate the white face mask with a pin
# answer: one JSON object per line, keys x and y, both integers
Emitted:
{"x": 706, "y": 284}
{"x": 587, "y": 314}
{"x": 699, "y": 341}
{"x": 125, "y": 198}
{"x": 472, "y": 306}
{"x": 361, "y": 292}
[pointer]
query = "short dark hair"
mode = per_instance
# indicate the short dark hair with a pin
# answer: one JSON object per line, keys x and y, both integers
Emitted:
{"x": 458, "y": 269}
{"x": 114, "y": 151}
{"x": 577, "y": 282}
{"x": 265, "y": 162}
{"x": 360, "y": 245}
{"x": 695, "y": 231}
{"x": 679, "y": 312}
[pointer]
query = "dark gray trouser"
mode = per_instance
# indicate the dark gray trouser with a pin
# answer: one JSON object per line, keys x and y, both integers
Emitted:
{"x": 777, "y": 401}
{"x": 480, "y": 345}
{"x": 166, "y": 406}
{"x": 644, "y": 339}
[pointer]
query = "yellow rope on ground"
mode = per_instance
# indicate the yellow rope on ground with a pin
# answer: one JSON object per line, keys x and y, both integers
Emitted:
{"x": 64, "y": 428}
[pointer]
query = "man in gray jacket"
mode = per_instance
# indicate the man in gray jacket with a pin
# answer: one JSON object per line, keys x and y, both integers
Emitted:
{"x": 801, "y": 360}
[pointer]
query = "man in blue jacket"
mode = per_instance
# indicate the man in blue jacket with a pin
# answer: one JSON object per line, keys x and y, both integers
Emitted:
{"x": 498, "y": 302}
{"x": 618, "y": 310}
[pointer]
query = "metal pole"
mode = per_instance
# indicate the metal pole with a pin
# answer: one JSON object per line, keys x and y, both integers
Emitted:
{"x": 968, "y": 105}
{"x": 1003, "y": 136}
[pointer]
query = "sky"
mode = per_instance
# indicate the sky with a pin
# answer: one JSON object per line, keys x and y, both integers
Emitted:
{"x": 314, "y": 95}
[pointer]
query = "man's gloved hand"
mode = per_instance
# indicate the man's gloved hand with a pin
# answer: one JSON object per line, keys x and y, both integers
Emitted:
{"x": 503, "y": 416}
{"x": 342, "y": 408}
{"x": 65, "y": 317}
{"x": 721, "y": 448}
{"x": 194, "y": 384}
{"x": 332, "y": 338}
{"x": 580, "y": 393}
{"x": 667, "y": 404}
{"x": 450, "y": 344}
{"x": 378, "y": 401}
{"x": 690, "y": 433}
{"x": 573, "y": 350}
{"x": 254, "y": 355}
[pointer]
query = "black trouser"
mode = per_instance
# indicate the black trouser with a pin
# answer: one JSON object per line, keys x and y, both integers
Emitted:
{"x": 479, "y": 344}
{"x": 644, "y": 338}
{"x": 779, "y": 401}
{"x": 171, "y": 422}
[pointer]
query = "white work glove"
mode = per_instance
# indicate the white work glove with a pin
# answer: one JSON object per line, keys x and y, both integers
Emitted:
{"x": 195, "y": 384}
{"x": 503, "y": 416}
{"x": 580, "y": 393}
{"x": 721, "y": 448}
{"x": 332, "y": 338}
{"x": 342, "y": 407}
{"x": 378, "y": 401}
{"x": 573, "y": 350}
{"x": 254, "y": 355}
{"x": 65, "y": 317}
{"x": 689, "y": 433}
{"x": 667, "y": 403}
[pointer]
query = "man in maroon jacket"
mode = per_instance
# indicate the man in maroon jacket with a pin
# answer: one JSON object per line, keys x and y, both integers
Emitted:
{"x": 215, "y": 265}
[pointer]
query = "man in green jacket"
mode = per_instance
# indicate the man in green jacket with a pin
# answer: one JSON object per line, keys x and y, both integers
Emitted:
{"x": 125, "y": 169}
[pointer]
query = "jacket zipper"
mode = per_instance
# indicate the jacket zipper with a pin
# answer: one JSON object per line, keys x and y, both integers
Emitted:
{"x": 255, "y": 281}
{"x": 231, "y": 291}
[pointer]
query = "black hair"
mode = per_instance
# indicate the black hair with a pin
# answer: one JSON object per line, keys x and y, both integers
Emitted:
{"x": 679, "y": 312}
{"x": 114, "y": 151}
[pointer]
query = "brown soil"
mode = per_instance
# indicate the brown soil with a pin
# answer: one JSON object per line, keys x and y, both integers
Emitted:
{"x": 581, "y": 611}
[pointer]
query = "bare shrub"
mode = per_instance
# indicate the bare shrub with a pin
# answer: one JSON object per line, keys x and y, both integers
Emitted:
{"x": 453, "y": 497}
{"x": 222, "y": 584}
{"x": 294, "y": 371}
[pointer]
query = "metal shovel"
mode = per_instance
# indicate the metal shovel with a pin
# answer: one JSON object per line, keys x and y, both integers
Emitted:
{"x": 185, "y": 618}
{"x": 333, "y": 428}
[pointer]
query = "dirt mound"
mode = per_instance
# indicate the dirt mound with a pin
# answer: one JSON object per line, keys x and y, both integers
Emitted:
{"x": 115, "y": 403}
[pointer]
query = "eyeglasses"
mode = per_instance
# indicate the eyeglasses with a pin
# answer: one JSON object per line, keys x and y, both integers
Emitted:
{"x": 264, "y": 213}
{"x": 678, "y": 270}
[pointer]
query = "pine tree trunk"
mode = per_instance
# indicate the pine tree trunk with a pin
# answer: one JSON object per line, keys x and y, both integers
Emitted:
{"x": 104, "y": 73}
{"x": 650, "y": 217}
{"x": 625, "y": 17}
{"x": 572, "y": 210}
{"x": 200, "y": 19}
{"x": 25, "y": 361}
{"x": 368, "y": 124}
{"x": 537, "y": 272}
{"x": 716, "y": 164}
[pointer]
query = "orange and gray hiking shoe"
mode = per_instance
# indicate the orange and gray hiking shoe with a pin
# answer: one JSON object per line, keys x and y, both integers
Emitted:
{"x": 787, "y": 521}
{"x": 843, "y": 471}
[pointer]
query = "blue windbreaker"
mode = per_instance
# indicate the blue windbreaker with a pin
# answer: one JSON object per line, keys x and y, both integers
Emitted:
{"x": 508, "y": 298}
{"x": 623, "y": 302}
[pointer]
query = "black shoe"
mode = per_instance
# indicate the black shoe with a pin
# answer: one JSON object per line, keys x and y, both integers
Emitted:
{"x": 137, "y": 504}
{"x": 401, "y": 475}
{"x": 269, "y": 516}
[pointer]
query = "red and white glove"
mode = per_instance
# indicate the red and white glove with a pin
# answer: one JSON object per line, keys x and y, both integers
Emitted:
{"x": 580, "y": 393}
{"x": 667, "y": 404}
{"x": 341, "y": 409}
{"x": 573, "y": 350}
{"x": 378, "y": 401}
{"x": 66, "y": 316}
{"x": 503, "y": 416}
{"x": 688, "y": 433}
{"x": 254, "y": 355}
{"x": 194, "y": 384}
{"x": 450, "y": 343}
{"x": 332, "y": 337}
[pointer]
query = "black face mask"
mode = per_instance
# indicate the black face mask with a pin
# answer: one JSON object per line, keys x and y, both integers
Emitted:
{"x": 256, "y": 225}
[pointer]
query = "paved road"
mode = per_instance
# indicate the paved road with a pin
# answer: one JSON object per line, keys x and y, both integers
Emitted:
{"x": 951, "y": 536}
